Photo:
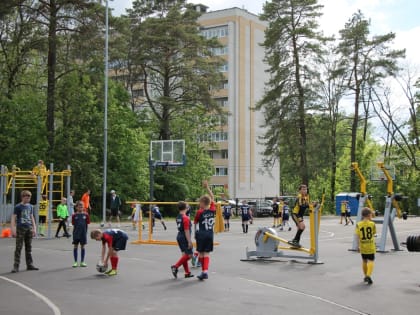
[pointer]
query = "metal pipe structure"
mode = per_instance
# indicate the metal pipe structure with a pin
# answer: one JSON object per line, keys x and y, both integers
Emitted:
{"x": 105, "y": 171}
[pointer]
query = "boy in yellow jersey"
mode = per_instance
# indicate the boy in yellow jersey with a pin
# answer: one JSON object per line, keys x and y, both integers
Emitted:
{"x": 343, "y": 211}
{"x": 301, "y": 205}
{"x": 42, "y": 215}
{"x": 366, "y": 230}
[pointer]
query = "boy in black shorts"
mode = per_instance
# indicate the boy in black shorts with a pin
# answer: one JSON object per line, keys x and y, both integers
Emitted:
{"x": 301, "y": 205}
{"x": 184, "y": 240}
{"x": 116, "y": 241}
{"x": 204, "y": 219}
{"x": 227, "y": 213}
{"x": 80, "y": 221}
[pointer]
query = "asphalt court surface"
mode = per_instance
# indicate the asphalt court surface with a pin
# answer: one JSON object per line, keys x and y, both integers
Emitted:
{"x": 144, "y": 284}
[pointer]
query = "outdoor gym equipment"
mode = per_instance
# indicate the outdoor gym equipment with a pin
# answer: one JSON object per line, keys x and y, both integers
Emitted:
{"x": 413, "y": 243}
{"x": 218, "y": 226}
{"x": 48, "y": 183}
{"x": 270, "y": 245}
{"x": 392, "y": 209}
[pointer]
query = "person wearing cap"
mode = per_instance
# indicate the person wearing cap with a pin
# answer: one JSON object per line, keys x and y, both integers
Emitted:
{"x": 115, "y": 206}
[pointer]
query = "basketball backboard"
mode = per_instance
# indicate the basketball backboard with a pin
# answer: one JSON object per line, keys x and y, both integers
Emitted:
{"x": 167, "y": 152}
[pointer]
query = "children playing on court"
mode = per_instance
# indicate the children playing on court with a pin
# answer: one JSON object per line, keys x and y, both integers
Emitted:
{"x": 184, "y": 240}
{"x": 80, "y": 221}
{"x": 365, "y": 231}
{"x": 116, "y": 240}
{"x": 62, "y": 214}
{"x": 158, "y": 216}
{"x": 203, "y": 223}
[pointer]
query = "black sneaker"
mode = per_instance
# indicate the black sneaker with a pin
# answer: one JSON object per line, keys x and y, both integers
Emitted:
{"x": 15, "y": 269}
{"x": 174, "y": 270}
{"x": 32, "y": 267}
{"x": 368, "y": 280}
{"x": 189, "y": 275}
{"x": 294, "y": 243}
{"x": 203, "y": 276}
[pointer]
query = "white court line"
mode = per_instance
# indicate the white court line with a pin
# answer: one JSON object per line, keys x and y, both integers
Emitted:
{"x": 46, "y": 300}
{"x": 348, "y": 308}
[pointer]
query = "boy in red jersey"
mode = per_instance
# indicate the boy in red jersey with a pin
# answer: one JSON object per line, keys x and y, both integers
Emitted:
{"x": 184, "y": 240}
{"x": 116, "y": 241}
{"x": 205, "y": 219}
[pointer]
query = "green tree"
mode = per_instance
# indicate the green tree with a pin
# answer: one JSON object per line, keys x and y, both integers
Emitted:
{"x": 293, "y": 48}
{"x": 177, "y": 63}
{"x": 365, "y": 61}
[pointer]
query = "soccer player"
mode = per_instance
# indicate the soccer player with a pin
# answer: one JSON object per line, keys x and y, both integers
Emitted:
{"x": 116, "y": 241}
{"x": 80, "y": 221}
{"x": 285, "y": 216}
{"x": 157, "y": 215}
{"x": 42, "y": 215}
{"x": 184, "y": 240}
{"x": 246, "y": 216}
{"x": 227, "y": 213}
{"x": 365, "y": 231}
{"x": 204, "y": 220}
{"x": 62, "y": 214}
{"x": 301, "y": 205}
{"x": 23, "y": 228}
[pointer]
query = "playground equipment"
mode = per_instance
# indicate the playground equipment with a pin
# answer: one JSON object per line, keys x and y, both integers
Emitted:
{"x": 218, "y": 226}
{"x": 269, "y": 244}
{"x": 413, "y": 243}
{"x": 45, "y": 182}
{"x": 392, "y": 208}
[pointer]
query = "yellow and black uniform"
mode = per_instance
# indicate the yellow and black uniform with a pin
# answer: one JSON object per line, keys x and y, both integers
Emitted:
{"x": 301, "y": 205}
{"x": 42, "y": 216}
{"x": 366, "y": 231}
{"x": 343, "y": 211}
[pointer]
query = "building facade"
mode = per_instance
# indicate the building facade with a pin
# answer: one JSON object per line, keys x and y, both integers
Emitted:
{"x": 237, "y": 156}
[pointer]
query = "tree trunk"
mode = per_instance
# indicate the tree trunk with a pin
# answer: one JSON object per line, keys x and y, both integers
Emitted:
{"x": 354, "y": 137}
{"x": 333, "y": 149}
{"x": 51, "y": 66}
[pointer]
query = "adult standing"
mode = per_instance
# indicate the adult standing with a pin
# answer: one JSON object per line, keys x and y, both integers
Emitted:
{"x": 86, "y": 200}
{"x": 115, "y": 206}
{"x": 70, "y": 207}
{"x": 23, "y": 228}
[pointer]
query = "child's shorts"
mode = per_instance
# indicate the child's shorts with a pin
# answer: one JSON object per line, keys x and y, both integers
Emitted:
{"x": 183, "y": 245}
{"x": 120, "y": 243}
{"x": 368, "y": 257}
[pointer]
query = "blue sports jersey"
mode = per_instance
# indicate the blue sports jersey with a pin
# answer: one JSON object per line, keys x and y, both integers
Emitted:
{"x": 206, "y": 221}
{"x": 80, "y": 222}
{"x": 24, "y": 213}
{"x": 245, "y": 211}
{"x": 227, "y": 210}
{"x": 156, "y": 210}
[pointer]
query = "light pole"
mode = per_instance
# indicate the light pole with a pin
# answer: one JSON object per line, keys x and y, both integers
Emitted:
{"x": 105, "y": 120}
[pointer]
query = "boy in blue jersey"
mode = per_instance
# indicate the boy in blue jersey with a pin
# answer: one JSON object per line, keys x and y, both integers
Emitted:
{"x": 158, "y": 215}
{"x": 184, "y": 240}
{"x": 23, "y": 228}
{"x": 80, "y": 220}
{"x": 204, "y": 220}
{"x": 246, "y": 216}
{"x": 227, "y": 213}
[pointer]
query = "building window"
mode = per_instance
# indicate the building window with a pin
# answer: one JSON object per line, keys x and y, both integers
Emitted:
{"x": 217, "y": 136}
{"x": 219, "y": 51}
{"x": 217, "y": 32}
{"x": 137, "y": 93}
{"x": 220, "y": 171}
{"x": 222, "y": 101}
{"x": 224, "y": 68}
{"x": 226, "y": 84}
{"x": 225, "y": 154}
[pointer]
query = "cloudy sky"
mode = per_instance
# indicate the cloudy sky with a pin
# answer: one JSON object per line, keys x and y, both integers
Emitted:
{"x": 399, "y": 16}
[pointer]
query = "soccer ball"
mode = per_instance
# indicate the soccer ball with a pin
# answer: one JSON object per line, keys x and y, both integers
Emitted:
{"x": 100, "y": 267}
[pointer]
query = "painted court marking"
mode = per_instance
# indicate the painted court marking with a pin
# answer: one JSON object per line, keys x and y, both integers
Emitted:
{"x": 42, "y": 297}
{"x": 348, "y": 308}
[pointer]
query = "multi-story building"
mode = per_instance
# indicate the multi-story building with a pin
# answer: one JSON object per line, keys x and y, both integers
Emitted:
{"x": 237, "y": 156}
